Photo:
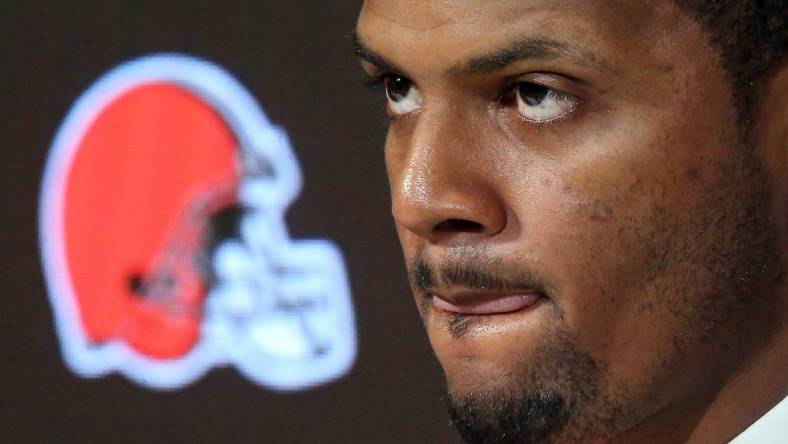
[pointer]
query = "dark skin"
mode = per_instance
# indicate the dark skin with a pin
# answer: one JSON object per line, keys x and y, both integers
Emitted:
{"x": 588, "y": 153}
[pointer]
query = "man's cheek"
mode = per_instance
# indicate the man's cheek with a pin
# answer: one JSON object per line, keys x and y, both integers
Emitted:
{"x": 589, "y": 245}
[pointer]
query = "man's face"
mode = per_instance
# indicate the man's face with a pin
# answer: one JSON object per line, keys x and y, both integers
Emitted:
{"x": 587, "y": 238}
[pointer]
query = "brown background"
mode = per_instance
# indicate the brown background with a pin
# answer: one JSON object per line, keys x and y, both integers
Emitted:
{"x": 294, "y": 57}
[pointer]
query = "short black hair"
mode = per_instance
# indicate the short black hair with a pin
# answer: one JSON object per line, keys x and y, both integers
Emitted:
{"x": 751, "y": 36}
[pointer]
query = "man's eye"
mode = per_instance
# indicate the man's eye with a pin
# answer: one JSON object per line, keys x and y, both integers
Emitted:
{"x": 402, "y": 95}
{"x": 539, "y": 103}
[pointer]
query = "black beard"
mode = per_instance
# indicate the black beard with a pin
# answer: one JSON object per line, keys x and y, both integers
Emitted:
{"x": 508, "y": 420}
{"x": 557, "y": 390}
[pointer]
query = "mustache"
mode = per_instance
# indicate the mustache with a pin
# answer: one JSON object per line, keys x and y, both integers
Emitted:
{"x": 475, "y": 270}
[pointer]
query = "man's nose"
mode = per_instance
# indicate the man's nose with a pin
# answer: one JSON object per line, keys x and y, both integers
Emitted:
{"x": 444, "y": 186}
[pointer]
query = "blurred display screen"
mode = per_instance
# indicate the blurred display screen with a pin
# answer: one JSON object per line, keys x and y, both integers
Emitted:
{"x": 200, "y": 235}
{"x": 149, "y": 164}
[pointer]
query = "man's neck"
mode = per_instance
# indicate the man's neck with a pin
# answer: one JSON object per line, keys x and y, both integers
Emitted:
{"x": 748, "y": 394}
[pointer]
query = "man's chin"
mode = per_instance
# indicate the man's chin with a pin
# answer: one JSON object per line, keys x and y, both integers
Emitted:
{"x": 493, "y": 401}
{"x": 508, "y": 418}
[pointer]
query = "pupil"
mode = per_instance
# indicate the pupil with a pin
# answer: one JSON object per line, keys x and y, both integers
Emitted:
{"x": 397, "y": 88}
{"x": 532, "y": 94}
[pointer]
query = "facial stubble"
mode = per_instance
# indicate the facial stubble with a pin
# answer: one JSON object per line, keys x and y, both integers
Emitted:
{"x": 710, "y": 275}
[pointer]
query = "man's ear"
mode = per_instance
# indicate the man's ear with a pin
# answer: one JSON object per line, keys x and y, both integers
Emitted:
{"x": 771, "y": 139}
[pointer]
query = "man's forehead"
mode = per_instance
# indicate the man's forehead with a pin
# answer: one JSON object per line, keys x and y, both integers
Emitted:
{"x": 479, "y": 16}
{"x": 428, "y": 31}
{"x": 423, "y": 15}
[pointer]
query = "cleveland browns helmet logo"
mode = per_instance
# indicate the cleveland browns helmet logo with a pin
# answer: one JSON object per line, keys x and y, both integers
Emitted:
{"x": 163, "y": 238}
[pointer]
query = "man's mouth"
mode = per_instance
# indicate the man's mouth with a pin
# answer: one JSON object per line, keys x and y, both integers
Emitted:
{"x": 485, "y": 304}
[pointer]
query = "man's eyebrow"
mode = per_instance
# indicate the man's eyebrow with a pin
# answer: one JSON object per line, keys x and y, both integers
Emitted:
{"x": 363, "y": 52}
{"x": 539, "y": 48}
{"x": 531, "y": 47}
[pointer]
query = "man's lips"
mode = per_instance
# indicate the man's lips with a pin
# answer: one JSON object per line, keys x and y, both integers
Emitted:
{"x": 486, "y": 304}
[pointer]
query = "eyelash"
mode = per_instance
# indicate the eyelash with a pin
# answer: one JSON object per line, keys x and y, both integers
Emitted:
{"x": 378, "y": 81}
{"x": 507, "y": 97}
{"x": 509, "y": 93}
